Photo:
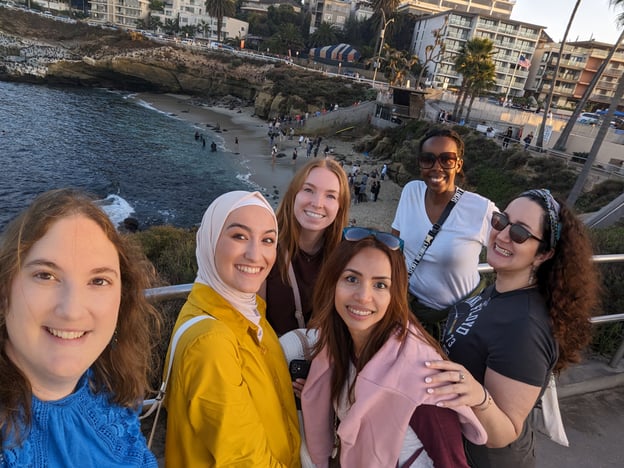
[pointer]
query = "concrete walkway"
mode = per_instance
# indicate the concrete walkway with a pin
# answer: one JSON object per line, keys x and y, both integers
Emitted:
{"x": 591, "y": 399}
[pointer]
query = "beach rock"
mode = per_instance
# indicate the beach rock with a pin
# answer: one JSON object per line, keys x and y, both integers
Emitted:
{"x": 40, "y": 50}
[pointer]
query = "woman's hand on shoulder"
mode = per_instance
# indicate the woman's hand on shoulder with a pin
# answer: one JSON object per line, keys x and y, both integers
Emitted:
{"x": 453, "y": 385}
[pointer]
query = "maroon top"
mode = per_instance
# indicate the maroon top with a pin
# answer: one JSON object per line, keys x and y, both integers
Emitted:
{"x": 440, "y": 433}
{"x": 279, "y": 295}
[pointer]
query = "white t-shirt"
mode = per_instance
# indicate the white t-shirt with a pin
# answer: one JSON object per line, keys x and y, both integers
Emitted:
{"x": 448, "y": 271}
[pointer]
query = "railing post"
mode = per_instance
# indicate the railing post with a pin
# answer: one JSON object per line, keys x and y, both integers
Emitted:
{"x": 615, "y": 360}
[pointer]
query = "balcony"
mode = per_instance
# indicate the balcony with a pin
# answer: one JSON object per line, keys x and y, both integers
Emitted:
{"x": 611, "y": 71}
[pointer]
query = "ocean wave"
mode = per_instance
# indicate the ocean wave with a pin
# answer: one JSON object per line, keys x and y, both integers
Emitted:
{"x": 116, "y": 207}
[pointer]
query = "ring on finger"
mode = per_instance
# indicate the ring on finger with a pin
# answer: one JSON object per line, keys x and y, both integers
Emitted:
{"x": 462, "y": 377}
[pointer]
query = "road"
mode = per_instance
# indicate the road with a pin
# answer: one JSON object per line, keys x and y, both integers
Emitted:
{"x": 594, "y": 424}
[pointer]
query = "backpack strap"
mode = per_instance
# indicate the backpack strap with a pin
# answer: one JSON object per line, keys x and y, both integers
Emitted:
{"x": 156, "y": 402}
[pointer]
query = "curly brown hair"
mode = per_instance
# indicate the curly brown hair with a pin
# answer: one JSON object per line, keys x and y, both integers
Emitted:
{"x": 123, "y": 370}
{"x": 333, "y": 332}
{"x": 569, "y": 282}
{"x": 289, "y": 227}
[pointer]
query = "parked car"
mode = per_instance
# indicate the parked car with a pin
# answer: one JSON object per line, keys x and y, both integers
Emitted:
{"x": 589, "y": 118}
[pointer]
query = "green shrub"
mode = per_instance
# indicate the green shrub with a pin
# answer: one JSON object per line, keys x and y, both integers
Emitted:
{"x": 608, "y": 336}
{"x": 171, "y": 251}
{"x": 600, "y": 195}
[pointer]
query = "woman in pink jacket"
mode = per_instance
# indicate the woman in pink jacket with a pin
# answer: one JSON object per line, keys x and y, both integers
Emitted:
{"x": 365, "y": 403}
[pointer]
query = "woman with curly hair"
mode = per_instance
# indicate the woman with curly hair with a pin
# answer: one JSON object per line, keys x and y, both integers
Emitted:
{"x": 533, "y": 321}
{"x": 76, "y": 337}
{"x": 364, "y": 401}
{"x": 310, "y": 217}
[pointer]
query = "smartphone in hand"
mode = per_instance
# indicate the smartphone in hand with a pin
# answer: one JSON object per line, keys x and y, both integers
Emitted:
{"x": 299, "y": 369}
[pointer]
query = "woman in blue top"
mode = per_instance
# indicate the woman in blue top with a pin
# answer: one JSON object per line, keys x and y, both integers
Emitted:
{"x": 76, "y": 336}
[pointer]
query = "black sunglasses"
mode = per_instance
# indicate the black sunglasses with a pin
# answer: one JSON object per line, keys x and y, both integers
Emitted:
{"x": 447, "y": 160}
{"x": 354, "y": 234}
{"x": 517, "y": 232}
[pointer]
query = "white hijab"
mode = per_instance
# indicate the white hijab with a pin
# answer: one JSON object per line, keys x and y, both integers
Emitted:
{"x": 207, "y": 237}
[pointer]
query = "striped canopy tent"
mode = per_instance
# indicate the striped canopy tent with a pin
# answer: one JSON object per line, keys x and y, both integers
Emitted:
{"x": 339, "y": 53}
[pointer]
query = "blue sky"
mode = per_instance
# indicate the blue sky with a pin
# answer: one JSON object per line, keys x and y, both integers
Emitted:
{"x": 594, "y": 18}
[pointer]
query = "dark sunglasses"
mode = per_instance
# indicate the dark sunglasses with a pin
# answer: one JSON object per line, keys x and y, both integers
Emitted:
{"x": 517, "y": 232}
{"x": 447, "y": 160}
{"x": 354, "y": 234}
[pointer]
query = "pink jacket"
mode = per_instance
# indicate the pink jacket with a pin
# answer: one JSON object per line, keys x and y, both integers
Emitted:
{"x": 387, "y": 392}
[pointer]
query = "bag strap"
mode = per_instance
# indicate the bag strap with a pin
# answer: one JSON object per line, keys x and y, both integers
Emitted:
{"x": 433, "y": 232}
{"x": 304, "y": 344}
{"x": 295, "y": 288}
{"x": 156, "y": 402}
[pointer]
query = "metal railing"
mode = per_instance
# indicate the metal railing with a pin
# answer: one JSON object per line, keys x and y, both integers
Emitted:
{"x": 181, "y": 291}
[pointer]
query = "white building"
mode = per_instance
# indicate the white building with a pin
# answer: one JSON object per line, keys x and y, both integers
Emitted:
{"x": 512, "y": 39}
{"x": 334, "y": 12}
{"x": 496, "y": 8}
{"x": 193, "y": 13}
{"x": 119, "y": 12}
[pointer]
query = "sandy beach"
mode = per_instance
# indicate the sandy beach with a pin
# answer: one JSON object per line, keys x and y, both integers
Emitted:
{"x": 254, "y": 152}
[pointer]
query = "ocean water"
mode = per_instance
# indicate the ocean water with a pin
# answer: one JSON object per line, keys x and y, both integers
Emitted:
{"x": 138, "y": 161}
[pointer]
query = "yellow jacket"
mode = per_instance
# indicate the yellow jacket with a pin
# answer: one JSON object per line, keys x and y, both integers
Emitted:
{"x": 230, "y": 400}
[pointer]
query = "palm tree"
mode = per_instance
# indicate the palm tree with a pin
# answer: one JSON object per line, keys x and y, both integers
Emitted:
{"x": 540, "y": 134}
{"x": 604, "y": 127}
{"x": 219, "y": 9}
{"x": 474, "y": 57}
{"x": 484, "y": 80}
{"x": 325, "y": 34}
{"x": 383, "y": 11}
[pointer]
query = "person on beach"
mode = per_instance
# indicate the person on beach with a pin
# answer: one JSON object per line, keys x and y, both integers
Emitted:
{"x": 442, "y": 267}
{"x": 76, "y": 340}
{"x": 273, "y": 153}
{"x": 375, "y": 187}
{"x": 505, "y": 343}
{"x": 311, "y": 216}
{"x": 230, "y": 400}
{"x": 365, "y": 402}
{"x": 294, "y": 155}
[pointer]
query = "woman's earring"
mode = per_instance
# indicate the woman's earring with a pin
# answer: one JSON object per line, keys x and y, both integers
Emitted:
{"x": 532, "y": 275}
{"x": 114, "y": 340}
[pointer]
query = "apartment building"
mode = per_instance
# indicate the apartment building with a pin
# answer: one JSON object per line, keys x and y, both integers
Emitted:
{"x": 495, "y": 8}
{"x": 120, "y": 12}
{"x": 334, "y": 12}
{"x": 262, "y": 6}
{"x": 578, "y": 66}
{"x": 193, "y": 13}
{"x": 512, "y": 40}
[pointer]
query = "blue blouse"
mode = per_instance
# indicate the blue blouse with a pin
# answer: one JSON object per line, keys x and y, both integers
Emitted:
{"x": 82, "y": 429}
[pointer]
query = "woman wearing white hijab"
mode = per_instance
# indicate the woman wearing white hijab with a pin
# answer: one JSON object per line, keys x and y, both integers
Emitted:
{"x": 230, "y": 400}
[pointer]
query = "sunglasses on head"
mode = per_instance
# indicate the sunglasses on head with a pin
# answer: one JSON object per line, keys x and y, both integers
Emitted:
{"x": 354, "y": 234}
{"x": 447, "y": 160}
{"x": 517, "y": 232}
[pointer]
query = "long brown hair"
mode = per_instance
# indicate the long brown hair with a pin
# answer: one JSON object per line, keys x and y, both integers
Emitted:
{"x": 569, "y": 282}
{"x": 334, "y": 334}
{"x": 289, "y": 227}
{"x": 122, "y": 369}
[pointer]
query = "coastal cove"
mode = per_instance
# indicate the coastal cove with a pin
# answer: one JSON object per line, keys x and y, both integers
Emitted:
{"x": 138, "y": 152}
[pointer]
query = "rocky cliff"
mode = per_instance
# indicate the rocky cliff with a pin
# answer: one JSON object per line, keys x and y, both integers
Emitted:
{"x": 38, "y": 49}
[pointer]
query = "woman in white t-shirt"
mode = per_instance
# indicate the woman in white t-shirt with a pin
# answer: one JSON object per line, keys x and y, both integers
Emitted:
{"x": 447, "y": 271}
